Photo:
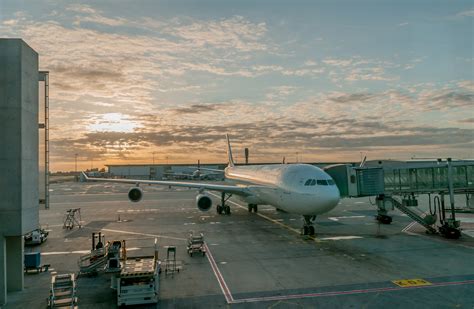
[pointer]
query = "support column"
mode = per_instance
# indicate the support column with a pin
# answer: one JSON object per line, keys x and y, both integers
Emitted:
{"x": 15, "y": 257}
{"x": 3, "y": 272}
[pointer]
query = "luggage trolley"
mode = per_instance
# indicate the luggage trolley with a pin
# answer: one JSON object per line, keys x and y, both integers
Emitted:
{"x": 196, "y": 244}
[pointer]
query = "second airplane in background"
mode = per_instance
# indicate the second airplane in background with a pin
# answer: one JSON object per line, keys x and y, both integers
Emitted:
{"x": 295, "y": 188}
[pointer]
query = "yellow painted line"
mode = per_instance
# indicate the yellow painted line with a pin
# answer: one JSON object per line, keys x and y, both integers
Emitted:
{"x": 270, "y": 219}
{"x": 405, "y": 283}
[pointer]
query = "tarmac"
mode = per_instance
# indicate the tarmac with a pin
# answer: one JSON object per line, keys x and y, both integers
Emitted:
{"x": 256, "y": 260}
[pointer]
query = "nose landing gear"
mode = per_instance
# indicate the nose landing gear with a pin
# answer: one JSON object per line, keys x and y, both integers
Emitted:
{"x": 308, "y": 228}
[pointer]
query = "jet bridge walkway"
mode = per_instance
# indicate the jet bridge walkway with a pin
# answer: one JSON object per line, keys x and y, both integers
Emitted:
{"x": 400, "y": 185}
{"x": 429, "y": 178}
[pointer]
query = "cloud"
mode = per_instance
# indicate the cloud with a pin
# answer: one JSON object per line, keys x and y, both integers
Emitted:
{"x": 81, "y": 8}
{"x": 349, "y": 98}
{"x": 467, "y": 120}
{"x": 467, "y": 13}
{"x": 358, "y": 69}
{"x": 195, "y": 109}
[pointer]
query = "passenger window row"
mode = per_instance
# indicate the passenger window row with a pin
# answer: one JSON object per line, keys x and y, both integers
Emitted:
{"x": 320, "y": 182}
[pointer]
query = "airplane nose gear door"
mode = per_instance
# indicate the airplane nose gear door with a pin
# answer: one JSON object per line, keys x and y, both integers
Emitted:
{"x": 308, "y": 228}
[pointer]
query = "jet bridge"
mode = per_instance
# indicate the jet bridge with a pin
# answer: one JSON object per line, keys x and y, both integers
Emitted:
{"x": 400, "y": 186}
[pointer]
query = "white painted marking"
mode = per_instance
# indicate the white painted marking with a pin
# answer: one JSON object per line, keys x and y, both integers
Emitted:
{"x": 341, "y": 238}
{"x": 409, "y": 226}
{"x": 469, "y": 233}
{"x": 360, "y": 203}
{"x": 466, "y": 220}
{"x": 55, "y": 253}
{"x": 223, "y": 263}
{"x": 143, "y": 234}
{"x": 345, "y": 217}
{"x": 190, "y": 223}
{"x": 220, "y": 279}
{"x": 77, "y": 252}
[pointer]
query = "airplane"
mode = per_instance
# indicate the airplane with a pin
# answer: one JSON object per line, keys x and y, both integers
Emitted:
{"x": 301, "y": 189}
{"x": 196, "y": 174}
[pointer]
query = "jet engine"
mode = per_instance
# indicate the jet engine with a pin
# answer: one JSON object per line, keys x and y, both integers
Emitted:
{"x": 135, "y": 194}
{"x": 203, "y": 202}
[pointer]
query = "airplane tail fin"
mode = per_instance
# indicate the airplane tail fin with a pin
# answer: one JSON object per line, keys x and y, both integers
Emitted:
{"x": 229, "y": 151}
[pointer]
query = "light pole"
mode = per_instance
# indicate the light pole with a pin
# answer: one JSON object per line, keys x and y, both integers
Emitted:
{"x": 153, "y": 153}
{"x": 75, "y": 162}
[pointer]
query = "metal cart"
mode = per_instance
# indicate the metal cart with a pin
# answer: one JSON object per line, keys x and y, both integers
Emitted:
{"x": 196, "y": 244}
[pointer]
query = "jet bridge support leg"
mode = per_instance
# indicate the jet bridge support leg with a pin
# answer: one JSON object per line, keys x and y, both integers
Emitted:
{"x": 382, "y": 213}
{"x": 223, "y": 208}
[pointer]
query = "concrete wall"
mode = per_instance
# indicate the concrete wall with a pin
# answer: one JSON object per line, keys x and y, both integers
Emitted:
{"x": 19, "y": 207}
{"x": 18, "y": 138}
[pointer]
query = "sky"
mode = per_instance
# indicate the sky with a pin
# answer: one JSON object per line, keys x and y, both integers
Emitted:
{"x": 311, "y": 81}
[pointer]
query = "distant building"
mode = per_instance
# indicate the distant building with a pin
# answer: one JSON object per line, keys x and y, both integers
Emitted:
{"x": 162, "y": 171}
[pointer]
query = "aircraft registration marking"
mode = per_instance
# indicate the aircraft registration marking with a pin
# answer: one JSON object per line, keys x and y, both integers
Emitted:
{"x": 405, "y": 283}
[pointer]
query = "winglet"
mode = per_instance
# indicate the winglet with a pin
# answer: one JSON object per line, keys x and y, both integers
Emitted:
{"x": 86, "y": 178}
{"x": 229, "y": 151}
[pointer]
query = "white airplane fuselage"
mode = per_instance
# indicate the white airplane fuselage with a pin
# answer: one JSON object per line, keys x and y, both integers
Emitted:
{"x": 283, "y": 186}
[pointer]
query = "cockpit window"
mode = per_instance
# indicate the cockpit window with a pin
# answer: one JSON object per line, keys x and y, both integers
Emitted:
{"x": 322, "y": 182}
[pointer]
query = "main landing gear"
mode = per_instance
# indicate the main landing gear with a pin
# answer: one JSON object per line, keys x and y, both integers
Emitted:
{"x": 308, "y": 228}
{"x": 253, "y": 207}
{"x": 223, "y": 208}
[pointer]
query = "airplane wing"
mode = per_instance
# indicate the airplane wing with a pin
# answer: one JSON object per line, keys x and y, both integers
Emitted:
{"x": 238, "y": 190}
{"x": 207, "y": 169}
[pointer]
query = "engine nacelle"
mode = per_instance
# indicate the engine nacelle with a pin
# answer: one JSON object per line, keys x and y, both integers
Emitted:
{"x": 203, "y": 202}
{"x": 135, "y": 194}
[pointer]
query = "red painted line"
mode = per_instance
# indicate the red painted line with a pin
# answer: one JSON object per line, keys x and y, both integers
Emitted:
{"x": 220, "y": 278}
{"x": 348, "y": 292}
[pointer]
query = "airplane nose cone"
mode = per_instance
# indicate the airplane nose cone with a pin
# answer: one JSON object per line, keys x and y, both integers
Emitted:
{"x": 333, "y": 198}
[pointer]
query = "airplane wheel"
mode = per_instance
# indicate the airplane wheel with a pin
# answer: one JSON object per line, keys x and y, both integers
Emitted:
{"x": 227, "y": 210}
{"x": 311, "y": 230}
{"x": 219, "y": 209}
{"x": 250, "y": 206}
{"x": 305, "y": 230}
{"x": 255, "y": 208}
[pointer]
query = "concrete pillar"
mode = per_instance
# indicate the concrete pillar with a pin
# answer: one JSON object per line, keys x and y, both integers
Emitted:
{"x": 15, "y": 257}
{"x": 3, "y": 272}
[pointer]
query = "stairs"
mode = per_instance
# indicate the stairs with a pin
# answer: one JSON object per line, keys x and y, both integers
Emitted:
{"x": 412, "y": 214}
{"x": 63, "y": 292}
{"x": 92, "y": 262}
